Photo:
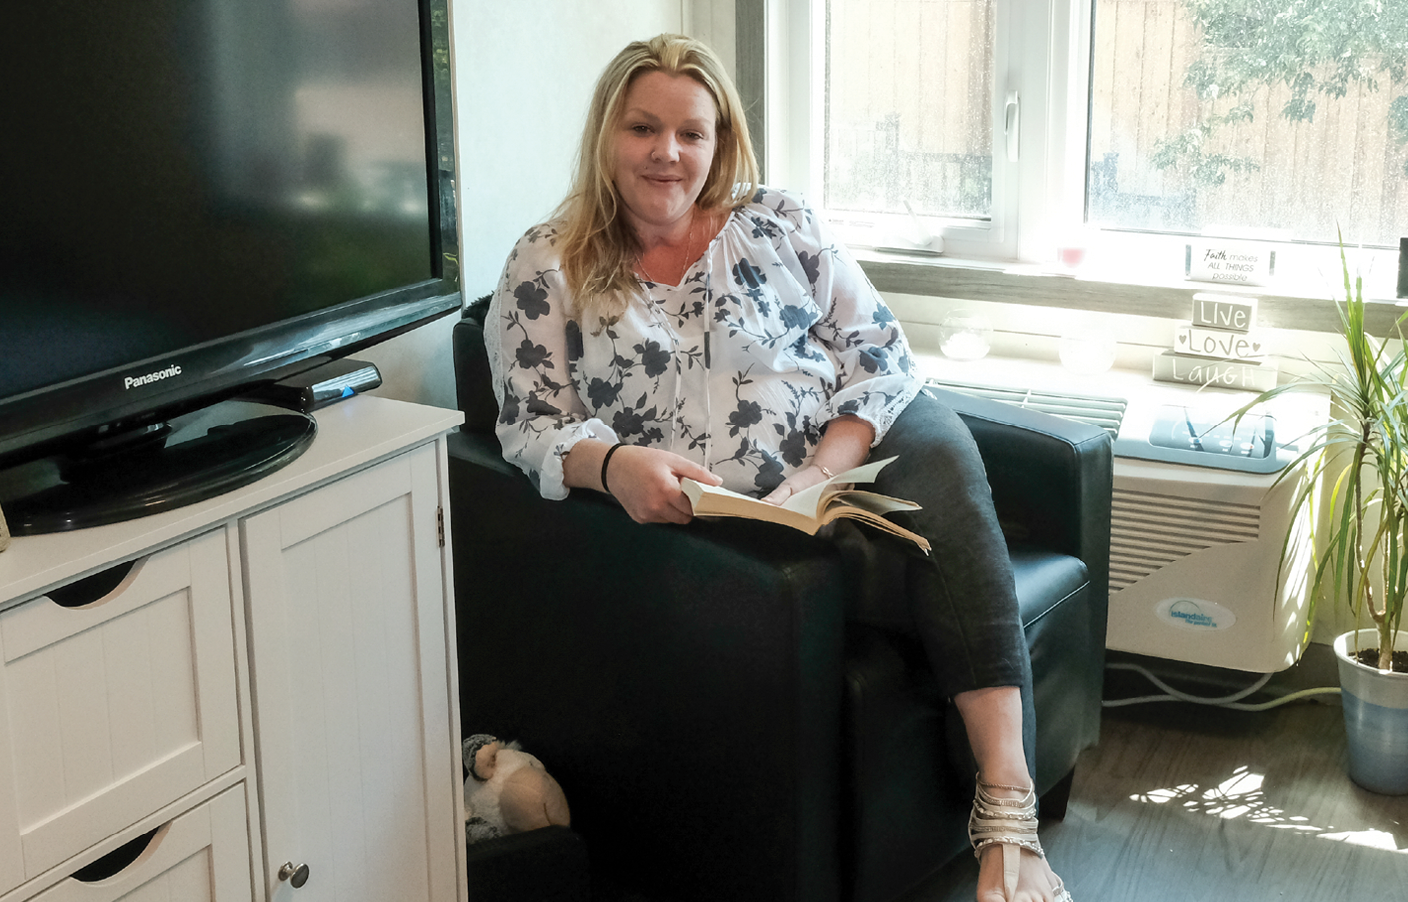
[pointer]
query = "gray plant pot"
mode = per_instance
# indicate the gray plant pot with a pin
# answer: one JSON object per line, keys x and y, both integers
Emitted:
{"x": 1375, "y": 716}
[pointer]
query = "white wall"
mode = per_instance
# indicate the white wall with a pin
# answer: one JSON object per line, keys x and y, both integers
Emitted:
{"x": 524, "y": 71}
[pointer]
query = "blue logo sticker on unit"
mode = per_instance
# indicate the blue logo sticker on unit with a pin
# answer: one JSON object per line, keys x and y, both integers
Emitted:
{"x": 1195, "y": 614}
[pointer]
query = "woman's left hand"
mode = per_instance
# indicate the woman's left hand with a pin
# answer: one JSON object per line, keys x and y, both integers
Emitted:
{"x": 844, "y": 444}
{"x": 799, "y": 481}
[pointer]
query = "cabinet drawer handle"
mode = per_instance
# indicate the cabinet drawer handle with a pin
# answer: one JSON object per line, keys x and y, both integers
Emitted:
{"x": 297, "y": 875}
{"x": 118, "y": 860}
{"x": 89, "y": 589}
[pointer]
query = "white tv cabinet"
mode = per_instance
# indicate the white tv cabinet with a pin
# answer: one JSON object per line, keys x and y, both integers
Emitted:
{"x": 269, "y": 690}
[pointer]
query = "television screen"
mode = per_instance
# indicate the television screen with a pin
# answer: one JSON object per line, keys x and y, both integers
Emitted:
{"x": 203, "y": 193}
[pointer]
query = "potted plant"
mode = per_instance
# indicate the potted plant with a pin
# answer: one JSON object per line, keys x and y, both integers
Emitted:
{"x": 1361, "y": 456}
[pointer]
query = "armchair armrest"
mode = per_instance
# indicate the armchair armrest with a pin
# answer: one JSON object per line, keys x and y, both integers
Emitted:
{"x": 1051, "y": 480}
{"x": 590, "y": 638}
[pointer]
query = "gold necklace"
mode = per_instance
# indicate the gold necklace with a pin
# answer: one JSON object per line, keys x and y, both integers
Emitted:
{"x": 689, "y": 243}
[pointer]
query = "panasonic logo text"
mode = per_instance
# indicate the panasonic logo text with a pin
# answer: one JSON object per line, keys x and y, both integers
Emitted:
{"x": 131, "y": 382}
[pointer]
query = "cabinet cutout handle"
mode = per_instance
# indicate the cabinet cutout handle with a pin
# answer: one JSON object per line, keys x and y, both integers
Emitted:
{"x": 89, "y": 589}
{"x": 296, "y": 875}
{"x": 113, "y": 863}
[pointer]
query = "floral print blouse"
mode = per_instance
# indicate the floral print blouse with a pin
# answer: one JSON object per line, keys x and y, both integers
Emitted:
{"x": 772, "y": 333}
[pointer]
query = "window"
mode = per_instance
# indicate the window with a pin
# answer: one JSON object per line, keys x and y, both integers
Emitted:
{"x": 1287, "y": 118}
{"x": 907, "y": 108}
{"x": 920, "y": 117}
{"x": 1012, "y": 127}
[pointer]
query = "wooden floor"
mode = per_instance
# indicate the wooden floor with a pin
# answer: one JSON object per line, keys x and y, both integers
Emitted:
{"x": 1185, "y": 803}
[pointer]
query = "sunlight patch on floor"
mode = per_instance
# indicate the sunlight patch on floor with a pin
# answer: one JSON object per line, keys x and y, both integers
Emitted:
{"x": 1240, "y": 796}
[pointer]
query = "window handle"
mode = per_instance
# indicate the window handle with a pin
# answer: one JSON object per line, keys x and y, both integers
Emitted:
{"x": 1012, "y": 125}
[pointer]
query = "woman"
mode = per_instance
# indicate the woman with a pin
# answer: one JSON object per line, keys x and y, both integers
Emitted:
{"x": 677, "y": 320}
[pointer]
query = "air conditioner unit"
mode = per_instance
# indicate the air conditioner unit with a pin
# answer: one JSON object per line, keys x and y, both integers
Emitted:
{"x": 1195, "y": 567}
{"x": 1199, "y": 518}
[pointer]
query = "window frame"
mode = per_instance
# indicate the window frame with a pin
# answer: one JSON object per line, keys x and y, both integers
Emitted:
{"x": 1036, "y": 201}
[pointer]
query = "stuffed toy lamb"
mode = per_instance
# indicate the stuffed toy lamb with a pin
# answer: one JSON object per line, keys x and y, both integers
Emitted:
{"x": 507, "y": 790}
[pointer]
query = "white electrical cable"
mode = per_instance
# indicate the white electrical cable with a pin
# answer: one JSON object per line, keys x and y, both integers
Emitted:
{"x": 1228, "y": 701}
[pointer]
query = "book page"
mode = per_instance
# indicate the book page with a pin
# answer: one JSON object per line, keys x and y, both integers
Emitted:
{"x": 870, "y": 501}
{"x": 808, "y": 511}
{"x": 716, "y": 501}
{"x": 808, "y": 504}
{"x": 811, "y": 501}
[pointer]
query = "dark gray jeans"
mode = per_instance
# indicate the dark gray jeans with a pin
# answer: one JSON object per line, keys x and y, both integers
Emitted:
{"x": 960, "y": 601}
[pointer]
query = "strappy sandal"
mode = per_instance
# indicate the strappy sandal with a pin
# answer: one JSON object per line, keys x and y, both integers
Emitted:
{"x": 1010, "y": 823}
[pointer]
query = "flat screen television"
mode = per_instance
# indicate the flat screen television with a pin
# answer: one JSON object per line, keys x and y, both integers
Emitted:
{"x": 200, "y": 197}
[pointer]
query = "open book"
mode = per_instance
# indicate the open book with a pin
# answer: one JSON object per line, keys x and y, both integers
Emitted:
{"x": 813, "y": 508}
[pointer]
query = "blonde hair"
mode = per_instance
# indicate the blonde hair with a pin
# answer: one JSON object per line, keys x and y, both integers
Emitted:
{"x": 599, "y": 248}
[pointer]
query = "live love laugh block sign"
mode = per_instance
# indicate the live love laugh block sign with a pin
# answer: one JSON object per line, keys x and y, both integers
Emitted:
{"x": 1218, "y": 343}
{"x": 1173, "y": 367}
{"x": 1218, "y": 347}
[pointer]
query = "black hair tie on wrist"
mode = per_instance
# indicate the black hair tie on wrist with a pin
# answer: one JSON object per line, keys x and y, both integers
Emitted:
{"x": 605, "y": 461}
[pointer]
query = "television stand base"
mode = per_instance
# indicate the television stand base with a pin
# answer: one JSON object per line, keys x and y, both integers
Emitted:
{"x": 204, "y": 453}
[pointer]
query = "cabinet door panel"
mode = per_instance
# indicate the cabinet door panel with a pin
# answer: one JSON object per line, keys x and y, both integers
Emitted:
{"x": 347, "y": 639}
{"x": 114, "y": 709}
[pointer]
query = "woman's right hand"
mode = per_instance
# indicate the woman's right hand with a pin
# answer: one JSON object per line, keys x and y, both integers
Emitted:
{"x": 647, "y": 483}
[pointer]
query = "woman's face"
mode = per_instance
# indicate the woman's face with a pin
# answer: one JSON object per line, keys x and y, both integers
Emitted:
{"x": 664, "y": 144}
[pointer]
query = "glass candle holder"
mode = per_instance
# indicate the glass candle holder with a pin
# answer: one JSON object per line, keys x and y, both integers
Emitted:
{"x": 965, "y": 335}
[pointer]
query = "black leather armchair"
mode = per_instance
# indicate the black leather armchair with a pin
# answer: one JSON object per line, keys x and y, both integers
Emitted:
{"x": 723, "y": 728}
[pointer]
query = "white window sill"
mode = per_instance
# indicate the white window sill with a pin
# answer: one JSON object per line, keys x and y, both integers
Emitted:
{"x": 991, "y": 281}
